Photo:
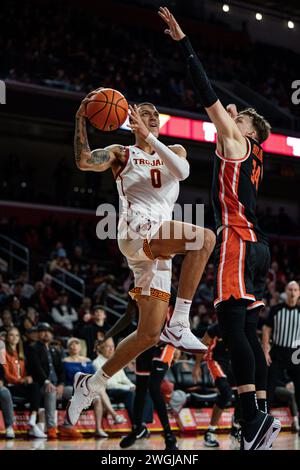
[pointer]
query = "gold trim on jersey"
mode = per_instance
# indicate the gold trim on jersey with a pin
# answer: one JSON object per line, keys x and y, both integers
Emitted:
{"x": 147, "y": 250}
{"x": 158, "y": 294}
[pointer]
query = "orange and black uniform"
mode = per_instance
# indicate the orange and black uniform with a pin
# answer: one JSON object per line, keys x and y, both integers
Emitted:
{"x": 162, "y": 354}
{"x": 242, "y": 260}
{"x": 242, "y": 254}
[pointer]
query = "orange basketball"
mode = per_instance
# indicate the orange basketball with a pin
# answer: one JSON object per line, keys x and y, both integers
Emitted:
{"x": 107, "y": 109}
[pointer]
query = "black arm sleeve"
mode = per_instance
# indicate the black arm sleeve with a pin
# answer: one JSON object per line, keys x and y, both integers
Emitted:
{"x": 201, "y": 81}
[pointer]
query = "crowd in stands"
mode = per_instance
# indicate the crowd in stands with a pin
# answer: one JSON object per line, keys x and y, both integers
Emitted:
{"x": 67, "y": 55}
{"x": 51, "y": 334}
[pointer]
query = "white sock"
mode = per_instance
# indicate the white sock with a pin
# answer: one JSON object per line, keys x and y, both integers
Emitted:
{"x": 181, "y": 311}
{"x": 32, "y": 420}
{"x": 212, "y": 428}
{"x": 98, "y": 380}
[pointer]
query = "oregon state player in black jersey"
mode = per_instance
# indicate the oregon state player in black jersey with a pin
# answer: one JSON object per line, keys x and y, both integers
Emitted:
{"x": 242, "y": 253}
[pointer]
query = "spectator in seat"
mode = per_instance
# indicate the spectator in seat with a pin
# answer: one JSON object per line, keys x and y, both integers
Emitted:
{"x": 32, "y": 315}
{"x": 27, "y": 289}
{"x": 6, "y": 320}
{"x": 79, "y": 260}
{"x": 61, "y": 261}
{"x": 119, "y": 387}
{"x": 29, "y": 320}
{"x": 30, "y": 337}
{"x": 18, "y": 292}
{"x": 19, "y": 383}
{"x": 64, "y": 315}
{"x": 41, "y": 303}
{"x": 85, "y": 314}
{"x": 47, "y": 370}
{"x": 50, "y": 293}
{"x": 16, "y": 310}
{"x": 93, "y": 332}
{"x": 74, "y": 363}
{"x": 5, "y": 289}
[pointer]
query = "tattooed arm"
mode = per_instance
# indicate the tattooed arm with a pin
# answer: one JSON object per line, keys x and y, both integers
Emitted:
{"x": 95, "y": 160}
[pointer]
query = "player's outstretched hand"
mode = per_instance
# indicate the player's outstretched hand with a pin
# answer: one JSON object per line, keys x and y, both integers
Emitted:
{"x": 232, "y": 110}
{"x": 173, "y": 29}
{"x": 81, "y": 109}
{"x": 136, "y": 123}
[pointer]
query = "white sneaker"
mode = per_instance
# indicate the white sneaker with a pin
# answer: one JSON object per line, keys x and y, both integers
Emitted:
{"x": 101, "y": 433}
{"x": 10, "y": 433}
{"x": 261, "y": 432}
{"x": 82, "y": 397}
{"x": 119, "y": 419}
{"x": 36, "y": 432}
{"x": 273, "y": 433}
{"x": 181, "y": 337}
{"x": 32, "y": 421}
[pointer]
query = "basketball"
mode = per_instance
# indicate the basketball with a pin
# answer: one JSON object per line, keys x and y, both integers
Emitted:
{"x": 107, "y": 110}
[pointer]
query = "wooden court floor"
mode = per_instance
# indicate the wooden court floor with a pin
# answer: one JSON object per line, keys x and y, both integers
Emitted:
{"x": 285, "y": 441}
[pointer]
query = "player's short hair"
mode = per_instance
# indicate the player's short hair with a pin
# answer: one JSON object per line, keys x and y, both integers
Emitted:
{"x": 260, "y": 124}
{"x": 146, "y": 104}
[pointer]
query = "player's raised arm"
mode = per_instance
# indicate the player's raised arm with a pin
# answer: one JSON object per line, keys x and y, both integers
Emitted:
{"x": 174, "y": 157}
{"x": 93, "y": 160}
{"x": 224, "y": 123}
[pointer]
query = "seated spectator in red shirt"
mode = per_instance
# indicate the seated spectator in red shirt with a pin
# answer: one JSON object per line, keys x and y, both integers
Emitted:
{"x": 19, "y": 383}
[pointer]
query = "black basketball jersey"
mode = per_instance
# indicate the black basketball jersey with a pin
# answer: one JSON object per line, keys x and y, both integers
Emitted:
{"x": 234, "y": 191}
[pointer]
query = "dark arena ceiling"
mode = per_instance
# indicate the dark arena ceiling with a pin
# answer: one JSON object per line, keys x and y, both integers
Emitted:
{"x": 291, "y": 8}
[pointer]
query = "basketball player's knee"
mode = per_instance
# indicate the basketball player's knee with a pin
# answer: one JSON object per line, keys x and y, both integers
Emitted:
{"x": 209, "y": 240}
{"x": 97, "y": 402}
{"x": 148, "y": 339}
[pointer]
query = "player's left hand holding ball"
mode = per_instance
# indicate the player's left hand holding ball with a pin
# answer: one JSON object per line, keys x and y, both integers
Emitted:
{"x": 81, "y": 112}
{"x": 136, "y": 123}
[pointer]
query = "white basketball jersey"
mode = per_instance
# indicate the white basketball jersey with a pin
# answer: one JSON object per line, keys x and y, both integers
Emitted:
{"x": 146, "y": 186}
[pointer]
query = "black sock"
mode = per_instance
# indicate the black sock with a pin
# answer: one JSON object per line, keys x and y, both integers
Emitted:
{"x": 262, "y": 404}
{"x": 249, "y": 405}
{"x": 237, "y": 408}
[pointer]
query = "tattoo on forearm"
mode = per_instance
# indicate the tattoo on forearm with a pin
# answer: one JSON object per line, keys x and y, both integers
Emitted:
{"x": 98, "y": 157}
{"x": 80, "y": 139}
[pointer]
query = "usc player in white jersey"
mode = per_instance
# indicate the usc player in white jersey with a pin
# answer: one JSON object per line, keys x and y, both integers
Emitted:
{"x": 147, "y": 176}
